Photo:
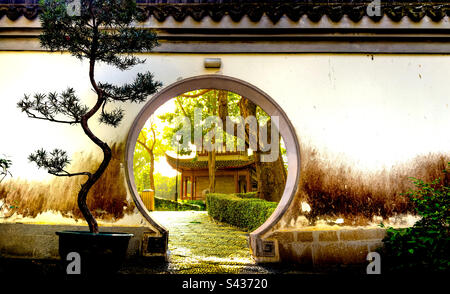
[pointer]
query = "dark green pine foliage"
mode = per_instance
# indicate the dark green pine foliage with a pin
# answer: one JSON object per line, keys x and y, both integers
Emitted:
{"x": 103, "y": 31}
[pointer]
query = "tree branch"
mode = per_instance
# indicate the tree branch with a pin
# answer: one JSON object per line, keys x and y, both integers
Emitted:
{"x": 181, "y": 106}
{"x": 137, "y": 91}
{"x": 31, "y": 115}
{"x": 67, "y": 174}
{"x": 154, "y": 137}
{"x": 4, "y": 176}
{"x": 145, "y": 146}
{"x": 202, "y": 92}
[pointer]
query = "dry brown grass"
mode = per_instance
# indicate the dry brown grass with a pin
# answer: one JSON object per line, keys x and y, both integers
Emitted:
{"x": 106, "y": 200}
{"x": 332, "y": 190}
{"x": 338, "y": 190}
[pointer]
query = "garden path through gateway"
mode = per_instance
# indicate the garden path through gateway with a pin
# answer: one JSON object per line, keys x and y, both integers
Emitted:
{"x": 259, "y": 247}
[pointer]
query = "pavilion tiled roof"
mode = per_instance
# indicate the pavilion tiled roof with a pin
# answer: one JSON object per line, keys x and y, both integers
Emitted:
{"x": 192, "y": 164}
{"x": 255, "y": 9}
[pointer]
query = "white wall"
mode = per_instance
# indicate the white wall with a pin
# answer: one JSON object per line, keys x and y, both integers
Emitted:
{"x": 369, "y": 111}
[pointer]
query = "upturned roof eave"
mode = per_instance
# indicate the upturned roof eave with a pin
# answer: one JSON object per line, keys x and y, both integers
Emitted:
{"x": 188, "y": 164}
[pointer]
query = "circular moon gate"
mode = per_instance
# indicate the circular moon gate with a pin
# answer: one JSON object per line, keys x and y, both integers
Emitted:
{"x": 248, "y": 91}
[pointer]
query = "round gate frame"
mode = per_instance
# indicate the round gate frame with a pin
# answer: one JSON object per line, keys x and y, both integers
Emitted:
{"x": 221, "y": 82}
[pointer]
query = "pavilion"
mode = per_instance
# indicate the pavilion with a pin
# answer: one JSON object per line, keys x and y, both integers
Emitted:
{"x": 235, "y": 173}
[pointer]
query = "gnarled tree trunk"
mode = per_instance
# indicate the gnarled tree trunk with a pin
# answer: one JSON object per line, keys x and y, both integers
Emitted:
{"x": 150, "y": 150}
{"x": 212, "y": 171}
{"x": 107, "y": 154}
{"x": 271, "y": 176}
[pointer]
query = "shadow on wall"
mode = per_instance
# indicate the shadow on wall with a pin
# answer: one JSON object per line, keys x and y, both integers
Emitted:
{"x": 107, "y": 199}
{"x": 335, "y": 190}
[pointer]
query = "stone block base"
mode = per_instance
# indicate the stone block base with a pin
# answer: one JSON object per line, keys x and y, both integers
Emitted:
{"x": 326, "y": 247}
{"x": 39, "y": 241}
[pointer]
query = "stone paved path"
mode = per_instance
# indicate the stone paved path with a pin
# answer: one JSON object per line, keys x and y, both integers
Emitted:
{"x": 198, "y": 244}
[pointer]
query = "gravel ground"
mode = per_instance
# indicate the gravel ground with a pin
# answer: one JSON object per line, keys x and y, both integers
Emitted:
{"x": 198, "y": 244}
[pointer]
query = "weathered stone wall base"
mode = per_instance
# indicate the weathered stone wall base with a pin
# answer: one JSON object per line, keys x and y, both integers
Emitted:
{"x": 326, "y": 247}
{"x": 40, "y": 241}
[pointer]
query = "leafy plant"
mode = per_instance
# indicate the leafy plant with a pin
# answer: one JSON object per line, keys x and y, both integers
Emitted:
{"x": 102, "y": 31}
{"x": 148, "y": 148}
{"x": 423, "y": 247}
{"x": 5, "y": 164}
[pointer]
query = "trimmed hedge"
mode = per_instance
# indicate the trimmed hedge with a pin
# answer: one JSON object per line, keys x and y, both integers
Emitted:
{"x": 200, "y": 203}
{"x": 168, "y": 205}
{"x": 245, "y": 213}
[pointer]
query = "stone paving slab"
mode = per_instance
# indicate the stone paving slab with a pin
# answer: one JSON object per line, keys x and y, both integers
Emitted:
{"x": 198, "y": 244}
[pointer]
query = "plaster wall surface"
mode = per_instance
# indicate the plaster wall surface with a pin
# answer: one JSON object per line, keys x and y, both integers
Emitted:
{"x": 368, "y": 111}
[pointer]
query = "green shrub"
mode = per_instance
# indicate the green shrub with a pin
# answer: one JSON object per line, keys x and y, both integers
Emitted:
{"x": 425, "y": 246}
{"x": 245, "y": 213}
{"x": 200, "y": 203}
{"x": 168, "y": 205}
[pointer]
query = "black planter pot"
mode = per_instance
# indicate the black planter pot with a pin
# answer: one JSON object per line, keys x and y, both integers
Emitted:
{"x": 100, "y": 254}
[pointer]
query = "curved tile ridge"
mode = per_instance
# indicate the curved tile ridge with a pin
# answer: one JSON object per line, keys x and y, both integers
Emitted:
{"x": 254, "y": 10}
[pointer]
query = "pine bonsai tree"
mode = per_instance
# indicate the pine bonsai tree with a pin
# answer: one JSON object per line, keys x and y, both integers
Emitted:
{"x": 99, "y": 31}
